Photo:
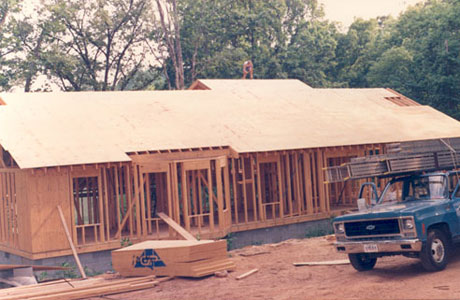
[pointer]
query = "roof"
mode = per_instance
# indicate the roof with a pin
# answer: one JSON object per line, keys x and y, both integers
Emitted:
{"x": 56, "y": 129}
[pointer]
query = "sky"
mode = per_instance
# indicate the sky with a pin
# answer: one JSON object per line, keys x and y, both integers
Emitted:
{"x": 345, "y": 11}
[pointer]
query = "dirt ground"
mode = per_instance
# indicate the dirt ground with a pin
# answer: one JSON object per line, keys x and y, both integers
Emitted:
{"x": 392, "y": 278}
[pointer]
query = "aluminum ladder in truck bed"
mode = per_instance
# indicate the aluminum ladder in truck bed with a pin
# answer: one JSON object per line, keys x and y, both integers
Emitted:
{"x": 401, "y": 158}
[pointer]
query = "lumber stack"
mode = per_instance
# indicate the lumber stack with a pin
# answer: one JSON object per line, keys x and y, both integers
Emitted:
{"x": 173, "y": 258}
{"x": 402, "y": 158}
{"x": 78, "y": 288}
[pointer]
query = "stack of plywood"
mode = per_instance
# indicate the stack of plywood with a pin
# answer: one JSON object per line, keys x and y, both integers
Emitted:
{"x": 173, "y": 258}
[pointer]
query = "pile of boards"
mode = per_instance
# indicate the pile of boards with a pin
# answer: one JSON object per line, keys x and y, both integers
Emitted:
{"x": 78, "y": 288}
{"x": 187, "y": 258}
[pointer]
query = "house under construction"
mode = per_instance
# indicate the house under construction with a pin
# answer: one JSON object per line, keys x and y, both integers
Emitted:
{"x": 224, "y": 156}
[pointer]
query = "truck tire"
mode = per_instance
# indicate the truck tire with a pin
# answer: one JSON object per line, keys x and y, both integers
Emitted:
{"x": 435, "y": 252}
{"x": 362, "y": 262}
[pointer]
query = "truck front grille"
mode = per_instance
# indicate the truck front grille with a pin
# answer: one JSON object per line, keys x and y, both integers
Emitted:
{"x": 372, "y": 228}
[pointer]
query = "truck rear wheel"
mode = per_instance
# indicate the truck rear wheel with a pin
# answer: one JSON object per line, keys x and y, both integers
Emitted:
{"x": 362, "y": 262}
{"x": 434, "y": 254}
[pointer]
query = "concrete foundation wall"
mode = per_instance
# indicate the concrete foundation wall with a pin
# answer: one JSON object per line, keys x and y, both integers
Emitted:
{"x": 99, "y": 262}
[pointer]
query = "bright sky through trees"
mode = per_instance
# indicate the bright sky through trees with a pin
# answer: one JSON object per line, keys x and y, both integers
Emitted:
{"x": 345, "y": 11}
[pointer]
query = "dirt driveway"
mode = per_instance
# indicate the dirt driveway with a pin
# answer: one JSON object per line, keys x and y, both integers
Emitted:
{"x": 277, "y": 278}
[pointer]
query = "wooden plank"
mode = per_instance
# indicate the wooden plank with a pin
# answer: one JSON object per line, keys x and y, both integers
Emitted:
{"x": 315, "y": 183}
{"x": 168, "y": 190}
{"x": 101, "y": 208}
{"x": 307, "y": 178}
{"x": 254, "y": 199}
{"x": 8, "y": 205}
{"x": 259, "y": 191}
{"x": 129, "y": 195}
{"x": 322, "y": 192}
{"x": 142, "y": 202}
{"x": 3, "y": 206}
{"x": 249, "y": 273}
{"x": 220, "y": 196}
{"x": 106, "y": 201}
{"x": 326, "y": 187}
{"x": 137, "y": 201}
{"x": 298, "y": 187}
{"x": 280, "y": 187}
{"x": 322, "y": 263}
{"x": 210, "y": 199}
{"x": 245, "y": 195}
{"x": 235, "y": 192}
{"x": 185, "y": 196}
{"x": 117, "y": 196}
{"x": 228, "y": 206}
{"x": 69, "y": 238}
{"x": 148, "y": 200}
{"x": 288, "y": 182}
{"x": 179, "y": 229}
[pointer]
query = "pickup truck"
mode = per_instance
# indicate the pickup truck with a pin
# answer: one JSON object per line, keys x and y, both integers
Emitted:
{"x": 415, "y": 216}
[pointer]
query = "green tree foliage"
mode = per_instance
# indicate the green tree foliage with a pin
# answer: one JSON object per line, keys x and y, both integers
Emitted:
{"x": 420, "y": 56}
{"x": 8, "y": 43}
{"x": 143, "y": 44}
{"x": 283, "y": 38}
{"x": 89, "y": 45}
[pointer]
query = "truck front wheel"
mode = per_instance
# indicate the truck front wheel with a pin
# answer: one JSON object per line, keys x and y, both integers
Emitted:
{"x": 434, "y": 254}
{"x": 362, "y": 262}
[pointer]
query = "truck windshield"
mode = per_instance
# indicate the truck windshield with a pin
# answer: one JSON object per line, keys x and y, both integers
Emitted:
{"x": 415, "y": 188}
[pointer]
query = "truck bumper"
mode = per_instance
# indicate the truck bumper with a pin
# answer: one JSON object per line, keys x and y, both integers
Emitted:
{"x": 412, "y": 245}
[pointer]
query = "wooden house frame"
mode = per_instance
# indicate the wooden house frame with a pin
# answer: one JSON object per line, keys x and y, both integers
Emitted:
{"x": 211, "y": 190}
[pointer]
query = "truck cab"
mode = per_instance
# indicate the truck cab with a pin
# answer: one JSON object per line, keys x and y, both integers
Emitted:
{"x": 416, "y": 215}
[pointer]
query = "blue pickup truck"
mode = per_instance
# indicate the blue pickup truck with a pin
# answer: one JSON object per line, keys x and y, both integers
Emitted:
{"x": 416, "y": 215}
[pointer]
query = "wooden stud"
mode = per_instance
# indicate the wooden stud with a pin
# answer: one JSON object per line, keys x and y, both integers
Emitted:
{"x": 211, "y": 201}
{"x": 137, "y": 201}
{"x": 142, "y": 202}
{"x": 235, "y": 192}
{"x": 322, "y": 192}
{"x": 101, "y": 208}
{"x": 106, "y": 201}
{"x": 74, "y": 251}
{"x": 307, "y": 177}
{"x": 228, "y": 206}
{"x": 254, "y": 199}
{"x": 288, "y": 182}
{"x": 148, "y": 200}
{"x": 220, "y": 195}
{"x": 280, "y": 187}
{"x": 185, "y": 201}
{"x": 315, "y": 182}
{"x": 245, "y": 195}
{"x": 117, "y": 195}
{"x": 259, "y": 192}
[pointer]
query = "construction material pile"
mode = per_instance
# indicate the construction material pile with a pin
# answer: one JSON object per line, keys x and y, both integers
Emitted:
{"x": 186, "y": 258}
{"x": 79, "y": 288}
{"x": 401, "y": 158}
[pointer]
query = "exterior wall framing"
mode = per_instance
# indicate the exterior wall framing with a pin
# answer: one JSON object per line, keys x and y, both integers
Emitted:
{"x": 210, "y": 192}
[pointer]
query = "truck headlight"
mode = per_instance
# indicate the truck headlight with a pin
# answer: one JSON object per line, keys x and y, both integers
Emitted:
{"x": 408, "y": 224}
{"x": 339, "y": 228}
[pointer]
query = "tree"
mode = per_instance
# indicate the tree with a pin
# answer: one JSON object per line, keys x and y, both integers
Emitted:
{"x": 216, "y": 37}
{"x": 8, "y": 43}
{"x": 89, "y": 45}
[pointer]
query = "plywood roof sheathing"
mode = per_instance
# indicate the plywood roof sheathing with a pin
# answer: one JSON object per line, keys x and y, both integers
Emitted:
{"x": 45, "y": 129}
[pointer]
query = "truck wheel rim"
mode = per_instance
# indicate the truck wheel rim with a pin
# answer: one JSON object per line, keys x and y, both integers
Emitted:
{"x": 437, "y": 250}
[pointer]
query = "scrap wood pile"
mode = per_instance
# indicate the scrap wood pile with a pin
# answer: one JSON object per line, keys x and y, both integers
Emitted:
{"x": 79, "y": 288}
{"x": 188, "y": 258}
